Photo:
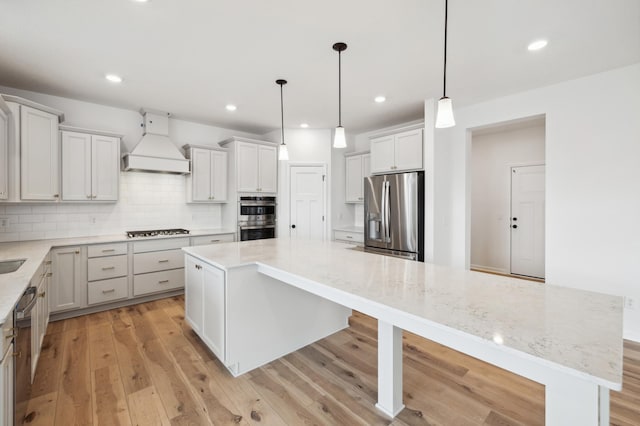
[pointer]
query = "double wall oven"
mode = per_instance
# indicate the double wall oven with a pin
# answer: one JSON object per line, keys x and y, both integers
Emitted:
{"x": 256, "y": 218}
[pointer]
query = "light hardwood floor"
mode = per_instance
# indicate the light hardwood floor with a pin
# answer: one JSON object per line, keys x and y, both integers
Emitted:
{"x": 143, "y": 365}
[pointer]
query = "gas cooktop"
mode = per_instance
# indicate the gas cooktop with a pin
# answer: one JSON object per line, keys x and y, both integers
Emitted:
{"x": 157, "y": 232}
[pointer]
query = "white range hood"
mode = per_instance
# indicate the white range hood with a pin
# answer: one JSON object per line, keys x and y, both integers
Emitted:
{"x": 155, "y": 152}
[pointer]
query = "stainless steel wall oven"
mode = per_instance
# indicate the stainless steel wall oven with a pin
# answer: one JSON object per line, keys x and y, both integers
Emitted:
{"x": 256, "y": 218}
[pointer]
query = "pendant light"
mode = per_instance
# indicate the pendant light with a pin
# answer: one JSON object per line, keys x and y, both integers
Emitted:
{"x": 284, "y": 152}
{"x": 445, "y": 107}
{"x": 339, "y": 140}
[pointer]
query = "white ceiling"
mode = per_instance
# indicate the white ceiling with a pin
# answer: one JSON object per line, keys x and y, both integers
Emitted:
{"x": 192, "y": 57}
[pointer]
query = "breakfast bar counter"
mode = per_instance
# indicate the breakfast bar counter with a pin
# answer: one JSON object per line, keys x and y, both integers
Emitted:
{"x": 569, "y": 340}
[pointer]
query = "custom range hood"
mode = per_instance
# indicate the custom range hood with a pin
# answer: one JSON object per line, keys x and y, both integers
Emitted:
{"x": 155, "y": 152}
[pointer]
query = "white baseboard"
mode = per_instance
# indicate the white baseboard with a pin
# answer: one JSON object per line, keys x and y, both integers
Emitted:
{"x": 490, "y": 269}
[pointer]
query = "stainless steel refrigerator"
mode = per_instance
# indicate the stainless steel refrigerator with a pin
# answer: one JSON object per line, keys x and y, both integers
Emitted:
{"x": 394, "y": 215}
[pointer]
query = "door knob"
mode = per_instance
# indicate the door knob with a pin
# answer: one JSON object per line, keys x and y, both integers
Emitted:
{"x": 293, "y": 227}
{"x": 514, "y": 226}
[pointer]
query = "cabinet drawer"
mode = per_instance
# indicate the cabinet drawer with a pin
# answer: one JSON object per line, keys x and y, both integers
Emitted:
{"x": 102, "y": 268}
{"x": 355, "y": 237}
{"x": 158, "y": 281}
{"x": 157, "y": 245}
{"x": 100, "y": 250}
{"x": 107, "y": 290}
{"x": 212, "y": 239}
{"x": 157, "y": 261}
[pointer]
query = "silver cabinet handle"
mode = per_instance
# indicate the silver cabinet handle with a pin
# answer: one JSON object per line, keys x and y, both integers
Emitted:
{"x": 108, "y": 250}
{"x": 215, "y": 241}
{"x": 349, "y": 236}
{"x": 163, "y": 261}
{"x": 56, "y": 195}
{"x": 163, "y": 282}
{"x": 77, "y": 252}
{"x": 113, "y": 290}
{"x": 106, "y": 268}
{"x": 89, "y": 196}
{"x": 49, "y": 274}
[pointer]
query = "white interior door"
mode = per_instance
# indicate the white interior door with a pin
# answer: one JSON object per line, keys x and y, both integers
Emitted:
{"x": 307, "y": 216}
{"x": 527, "y": 221}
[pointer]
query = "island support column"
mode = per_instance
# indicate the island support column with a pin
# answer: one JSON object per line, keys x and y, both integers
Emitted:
{"x": 389, "y": 369}
{"x": 570, "y": 400}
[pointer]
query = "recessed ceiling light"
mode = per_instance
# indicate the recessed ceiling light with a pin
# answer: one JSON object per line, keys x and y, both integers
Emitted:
{"x": 231, "y": 107}
{"x": 140, "y": 1}
{"x": 380, "y": 99}
{"x": 304, "y": 125}
{"x": 537, "y": 45}
{"x": 113, "y": 78}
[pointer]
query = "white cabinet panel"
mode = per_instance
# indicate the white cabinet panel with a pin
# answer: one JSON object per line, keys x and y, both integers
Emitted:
{"x": 213, "y": 324}
{"x": 102, "y": 268}
{"x": 4, "y": 156}
{"x": 194, "y": 280}
{"x": 212, "y": 239}
{"x": 267, "y": 169}
{"x": 76, "y": 166}
{"x": 100, "y": 250}
{"x": 6, "y": 387}
{"x": 382, "y": 155}
{"x": 107, "y": 290}
{"x": 366, "y": 165}
{"x": 90, "y": 167}
{"x": 105, "y": 167}
{"x": 408, "y": 150}
{"x": 396, "y": 153}
{"x": 157, "y": 261}
{"x": 353, "y": 178}
{"x": 69, "y": 279}
{"x": 218, "y": 176}
{"x": 247, "y": 167}
{"x": 201, "y": 174}
{"x": 156, "y": 282}
{"x": 39, "y": 149}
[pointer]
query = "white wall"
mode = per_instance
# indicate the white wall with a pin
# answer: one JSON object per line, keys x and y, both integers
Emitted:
{"x": 493, "y": 153}
{"x": 147, "y": 200}
{"x": 592, "y": 180}
{"x": 309, "y": 146}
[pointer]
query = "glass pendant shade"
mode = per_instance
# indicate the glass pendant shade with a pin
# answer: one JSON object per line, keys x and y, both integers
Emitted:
{"x": 445, "y": 113}
{"x": 283, "y": 154}
{"x": 339, "y": 141}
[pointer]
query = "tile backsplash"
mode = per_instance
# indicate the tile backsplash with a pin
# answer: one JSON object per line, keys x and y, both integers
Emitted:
{"x": 147, "y": 201}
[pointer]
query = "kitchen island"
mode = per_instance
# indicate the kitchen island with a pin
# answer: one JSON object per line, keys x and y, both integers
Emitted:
{"x": 244, "y": 295}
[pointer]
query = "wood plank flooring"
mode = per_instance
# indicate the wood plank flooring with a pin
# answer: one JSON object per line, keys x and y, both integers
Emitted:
{"x": 142, "y": 365}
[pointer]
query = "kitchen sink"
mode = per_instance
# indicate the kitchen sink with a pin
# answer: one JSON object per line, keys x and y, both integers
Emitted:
{"x": 9, "y": 266}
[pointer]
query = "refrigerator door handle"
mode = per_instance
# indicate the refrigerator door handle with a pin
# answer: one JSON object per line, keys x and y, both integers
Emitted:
{"x": 387, "y": 214}
{"x": 383, "y": 211}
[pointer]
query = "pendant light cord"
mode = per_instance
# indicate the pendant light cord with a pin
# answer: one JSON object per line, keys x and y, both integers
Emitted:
{"x": 282, "y": 114}
{"x": 339, "y": 89}
{"x": 446, "y": 8}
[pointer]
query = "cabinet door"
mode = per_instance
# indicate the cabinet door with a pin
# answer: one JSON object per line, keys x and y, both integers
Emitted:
{"x": 408, "y": 150}
{"x": 366, "y": 166}
{"x": 38, "y": 154}
{"x": 218, "y": 176}
{"x": 4, "y": 155}
{"x": 6, "y": 387}
{"x": 69, "y": 284}
{"x": 268, "y": 168}
{"x": 213, "y": 325}
{"x": 382, "y": 155}
{"x": 353, "y": 178}
{"x": 105, "y": 167}
{"x": 201, "y": 174}
{"x": 193, "y": 304}
{"x": 247, "y": 164}
{"x": 76, "y": 166}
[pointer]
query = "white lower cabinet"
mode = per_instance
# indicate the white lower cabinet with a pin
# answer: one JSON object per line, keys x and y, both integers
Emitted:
{"x": 158, "y": 265}
{"x": 6, "y": 386}
{"x": 69, "y": 283}
{"x": 205, "y": 303}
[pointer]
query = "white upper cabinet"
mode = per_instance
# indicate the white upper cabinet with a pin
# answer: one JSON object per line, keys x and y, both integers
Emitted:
{"x": 208, "y": 179}
{"x": 39, "y": 148}
{"x": 357, "y": 168}
{"x": 257, "y": 167}
{"x": 90, "y": 166}
{"x": 4, "y": 150}
{"x": 397, "y": 152}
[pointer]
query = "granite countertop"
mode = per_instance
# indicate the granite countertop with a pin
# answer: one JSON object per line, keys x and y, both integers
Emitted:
{"x": 12, "y": 285}
{"x": 570, "y": 330}
{"x": 349, "y": 228}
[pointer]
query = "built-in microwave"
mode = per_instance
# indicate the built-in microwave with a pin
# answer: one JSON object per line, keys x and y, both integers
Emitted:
{"x": 256, "y": 217}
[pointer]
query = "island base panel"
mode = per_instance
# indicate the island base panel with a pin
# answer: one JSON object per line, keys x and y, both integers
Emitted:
{"x": 571, "y": 400}
{"x": 267, "y": 319}
{"x": 389, "y": 369}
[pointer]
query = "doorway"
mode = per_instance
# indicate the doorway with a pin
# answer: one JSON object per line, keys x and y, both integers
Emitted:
{"x": 496, "y": 151}
{"x": 308, "y": 213}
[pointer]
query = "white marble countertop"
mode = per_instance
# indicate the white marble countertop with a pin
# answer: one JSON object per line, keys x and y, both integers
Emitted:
{"x": 349, "y": 228}
{"x": 12, "y": 285}
{"x": 573, "y": 331}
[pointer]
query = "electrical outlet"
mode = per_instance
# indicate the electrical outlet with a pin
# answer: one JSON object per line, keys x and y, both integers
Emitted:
{"x": 630, "y": 303}
{"x": 92, "y": 219}
{"x": 4, "y": 221}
